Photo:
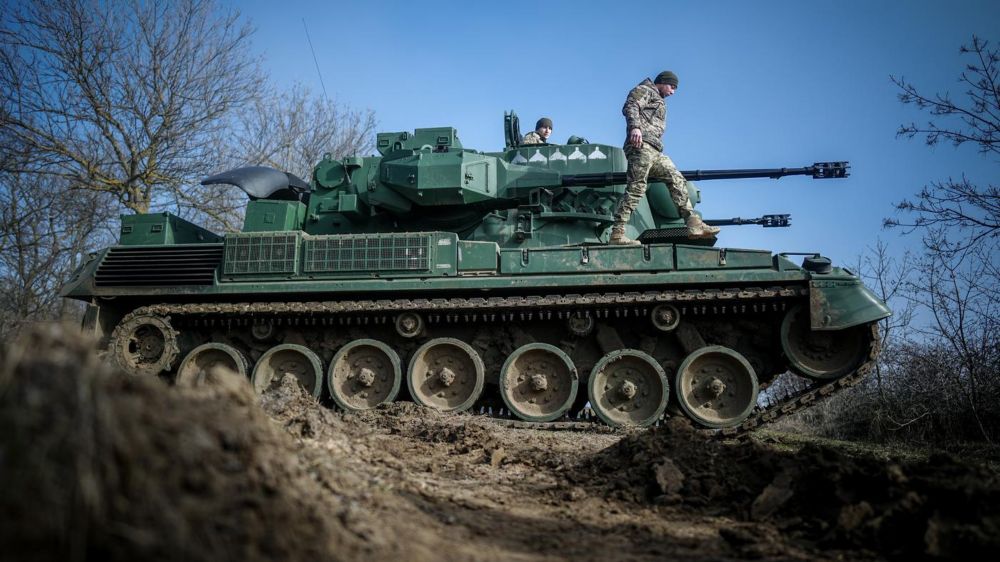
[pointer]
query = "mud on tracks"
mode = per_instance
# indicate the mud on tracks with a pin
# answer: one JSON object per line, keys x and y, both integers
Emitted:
{"x": 100, "y": 465}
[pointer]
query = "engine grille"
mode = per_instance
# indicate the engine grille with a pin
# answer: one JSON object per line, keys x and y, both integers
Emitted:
{"x": 261, "y": 253}
{"x": 193, "y": 264}
{"x": 374, "y": 253}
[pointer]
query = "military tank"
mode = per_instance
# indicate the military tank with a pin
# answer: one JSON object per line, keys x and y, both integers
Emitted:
{"x": 465, "y": 280}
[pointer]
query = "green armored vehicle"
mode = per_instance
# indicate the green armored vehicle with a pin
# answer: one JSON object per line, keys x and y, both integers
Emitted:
{"x": 462, "y": 279}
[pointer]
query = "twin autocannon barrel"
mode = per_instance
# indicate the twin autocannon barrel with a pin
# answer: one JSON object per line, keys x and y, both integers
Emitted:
{"x": 819, "y": 170}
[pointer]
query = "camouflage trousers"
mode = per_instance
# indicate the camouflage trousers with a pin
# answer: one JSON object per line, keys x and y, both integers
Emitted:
{"x": 648, "y": 162}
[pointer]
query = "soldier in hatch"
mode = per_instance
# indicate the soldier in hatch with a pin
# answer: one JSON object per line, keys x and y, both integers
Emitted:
{"x": 543, "y": 129}
{"x": 645, "y": 120}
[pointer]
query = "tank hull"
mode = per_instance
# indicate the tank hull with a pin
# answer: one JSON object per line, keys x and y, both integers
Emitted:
{"x": 628, "y": 315}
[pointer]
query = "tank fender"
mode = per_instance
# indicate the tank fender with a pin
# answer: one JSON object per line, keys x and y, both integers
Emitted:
{"x": 835, "y": 304}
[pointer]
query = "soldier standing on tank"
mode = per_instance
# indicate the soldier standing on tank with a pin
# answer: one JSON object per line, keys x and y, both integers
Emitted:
{"x": 543, "y": 128}
{"x": 645, "y": 120}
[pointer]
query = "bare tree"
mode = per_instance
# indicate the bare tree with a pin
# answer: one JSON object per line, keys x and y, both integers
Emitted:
{"x": 938, "y": 378}
{"x": 955, "y": 215}
{"x": 112, "y": 104}
{"x": 975, "y": 121}
{"x": 961, "y": 297}
{"x": 957, "y": 290}
{"x": 889, "y": 276}
{"x": 45, "y": 231}
{"x": 124, "y": 97}
{"x": 292, "y": 130}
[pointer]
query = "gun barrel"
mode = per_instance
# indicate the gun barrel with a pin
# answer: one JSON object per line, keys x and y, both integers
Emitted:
{"x": 767, "y": 221}
{"x": 819, "y": 170}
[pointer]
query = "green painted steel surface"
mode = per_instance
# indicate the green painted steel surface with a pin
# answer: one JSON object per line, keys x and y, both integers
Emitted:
{"x": 162, "y": 228}
{"x": 297, "y": 264}
{"x": 842, "y": 302}
{"x": 264, "y": 215}
{"x": 478, "y": 257}
{"x": 584, "y": 259}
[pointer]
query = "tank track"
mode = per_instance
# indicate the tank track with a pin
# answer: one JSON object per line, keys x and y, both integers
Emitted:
{"x": 786, "y": 406}
{"x": 707, "y": 296}
{"x": 698, "y": 301}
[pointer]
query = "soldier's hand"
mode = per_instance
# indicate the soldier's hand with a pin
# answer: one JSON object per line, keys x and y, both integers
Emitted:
{"x": 635, "y": 138}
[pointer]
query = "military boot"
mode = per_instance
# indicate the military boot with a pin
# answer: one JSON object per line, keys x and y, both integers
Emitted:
{"x": 698, "y": 229}
{"x": 618, "y": 237}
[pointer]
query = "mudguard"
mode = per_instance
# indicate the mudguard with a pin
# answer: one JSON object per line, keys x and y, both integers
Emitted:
{"x": 835, "y": 304}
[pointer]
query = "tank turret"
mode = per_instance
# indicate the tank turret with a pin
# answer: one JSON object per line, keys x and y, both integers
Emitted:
{"x": 525, "y": 197}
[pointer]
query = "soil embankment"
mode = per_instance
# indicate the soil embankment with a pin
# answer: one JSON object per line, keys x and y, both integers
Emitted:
{"x": 99, "y": 465}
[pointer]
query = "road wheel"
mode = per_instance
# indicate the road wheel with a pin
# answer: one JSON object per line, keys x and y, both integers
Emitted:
{"x": 445, "y": 374}
{"x": 538, "y": 382}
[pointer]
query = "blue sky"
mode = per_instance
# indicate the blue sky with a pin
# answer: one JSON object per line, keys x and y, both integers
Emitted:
{"x": 762, "y": 84}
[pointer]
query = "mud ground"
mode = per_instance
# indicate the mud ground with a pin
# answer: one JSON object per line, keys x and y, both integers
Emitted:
{"x": 98, "y": 465}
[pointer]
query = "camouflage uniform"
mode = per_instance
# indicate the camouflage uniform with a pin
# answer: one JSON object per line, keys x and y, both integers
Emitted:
{"x": 532, "y": 138}
{"x": 645, "y": 110}
{"x": 642, "y": 163}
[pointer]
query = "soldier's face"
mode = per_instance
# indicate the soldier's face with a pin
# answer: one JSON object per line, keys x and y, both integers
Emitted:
{"x": 544, "y": 132}
{"x": 666, "y": 90}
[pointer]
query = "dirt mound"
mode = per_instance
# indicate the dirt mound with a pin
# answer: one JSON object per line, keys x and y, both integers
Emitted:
{"x": 941, "y": 507}
{"x": 105, "y": 466}
{"x": 298, "y": 411}
{"x": 99, "y": 465}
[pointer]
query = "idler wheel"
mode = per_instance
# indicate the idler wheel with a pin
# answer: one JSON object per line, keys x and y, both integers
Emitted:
{"x": 716, "y": 387}
{"x": 538, "y": 382}
{"x": 144, "y": 345}
{"x": 206, "y": 357}
{"x": 288, "y": 359}
{"x": 822, "y": 354}
{"x": 628, "y": 387}
{"x": 445, "y": 374}
{"x": 364, "y": 374}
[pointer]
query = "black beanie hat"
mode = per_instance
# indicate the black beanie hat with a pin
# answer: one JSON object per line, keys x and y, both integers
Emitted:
{"x": 666, "y": 77}
{"x": 543, "y": 122}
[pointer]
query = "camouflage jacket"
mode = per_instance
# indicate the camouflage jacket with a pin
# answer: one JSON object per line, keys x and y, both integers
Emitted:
{"x": 532, "y": 138}
{"x": 644, "y": 110}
